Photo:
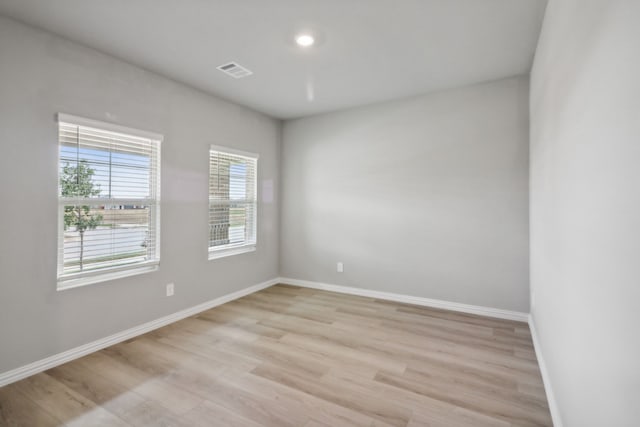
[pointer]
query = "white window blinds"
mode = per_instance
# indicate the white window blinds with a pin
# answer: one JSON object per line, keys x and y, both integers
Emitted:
{"x": 232, "y": 201}
{"x": 109, "y": 193}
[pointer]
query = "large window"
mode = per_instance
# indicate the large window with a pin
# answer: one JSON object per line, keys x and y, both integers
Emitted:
{"x": 232, "y": 201}
{"x": 109, "y": 194}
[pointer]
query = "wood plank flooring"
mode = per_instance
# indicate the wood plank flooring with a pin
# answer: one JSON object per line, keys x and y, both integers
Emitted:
{"x": 289, "y": 356}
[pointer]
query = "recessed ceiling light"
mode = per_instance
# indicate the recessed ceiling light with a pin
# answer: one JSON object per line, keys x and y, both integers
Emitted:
{"x": 305, "y": 40}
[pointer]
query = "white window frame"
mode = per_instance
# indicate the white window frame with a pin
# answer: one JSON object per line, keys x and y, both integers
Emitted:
{"x": 235, "y": 249}
{"x": 73, "y": 280}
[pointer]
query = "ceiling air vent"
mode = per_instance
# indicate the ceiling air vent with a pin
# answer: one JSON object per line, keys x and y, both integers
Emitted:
{"x": 235, "y": 70}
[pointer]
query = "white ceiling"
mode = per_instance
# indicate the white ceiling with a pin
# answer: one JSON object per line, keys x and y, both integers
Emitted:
{"x": 369, "y": 50}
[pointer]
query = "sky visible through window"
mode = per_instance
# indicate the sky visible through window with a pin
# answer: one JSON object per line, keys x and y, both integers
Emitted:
{"x": 238, "y": 181}
{"x": 125, "y": 175}
{"x": 118, "y": 174}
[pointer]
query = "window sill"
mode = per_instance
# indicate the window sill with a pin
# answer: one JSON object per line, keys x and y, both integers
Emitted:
{"x": 221, "y": 253}
{"x": 70, "y": 283}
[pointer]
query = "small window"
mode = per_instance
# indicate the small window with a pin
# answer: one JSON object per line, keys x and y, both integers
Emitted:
{"x": 109, "y": 195}
{"x": 232, "y": 201}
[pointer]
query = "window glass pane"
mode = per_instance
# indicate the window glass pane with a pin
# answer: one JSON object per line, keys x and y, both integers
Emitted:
{"x": 232, "y": 195}
{"x": 119, "y": 236}
{"x": 119, "y": 166}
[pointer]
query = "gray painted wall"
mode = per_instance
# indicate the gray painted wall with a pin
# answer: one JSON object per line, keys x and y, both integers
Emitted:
{"x": 426, "y": 196}
{"x": 585, "y": 208}
{"x": 42, "y": 75}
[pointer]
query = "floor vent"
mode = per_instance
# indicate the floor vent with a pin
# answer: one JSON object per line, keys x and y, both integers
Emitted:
{"x": 235, "y": 70}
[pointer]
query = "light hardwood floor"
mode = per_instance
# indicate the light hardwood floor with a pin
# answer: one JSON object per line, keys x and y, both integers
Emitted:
{"x": 289, "y": 356}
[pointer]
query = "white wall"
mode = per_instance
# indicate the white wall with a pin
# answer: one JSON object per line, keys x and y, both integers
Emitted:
{"x": 42, "y": 75}
{"x": 585, "y": 208}
{"x": 426, "y": 196}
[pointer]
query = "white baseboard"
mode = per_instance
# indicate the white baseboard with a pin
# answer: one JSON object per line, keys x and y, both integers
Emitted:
{"x": 427, "y": 302}
{"x": 551, "y": 398}
{"x": 66, "y": 356}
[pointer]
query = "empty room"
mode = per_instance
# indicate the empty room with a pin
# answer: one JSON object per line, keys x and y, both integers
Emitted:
{"x": 316, "y": 213}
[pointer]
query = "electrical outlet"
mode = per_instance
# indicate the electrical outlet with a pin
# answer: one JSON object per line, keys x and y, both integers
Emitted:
{"x": 170, "y": 289}
{"x": 340, "y": 267}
